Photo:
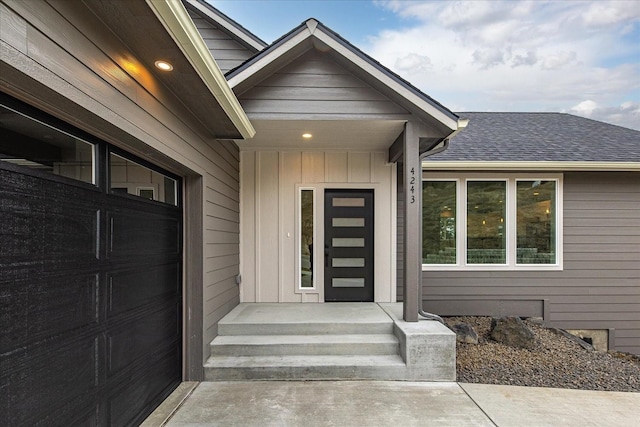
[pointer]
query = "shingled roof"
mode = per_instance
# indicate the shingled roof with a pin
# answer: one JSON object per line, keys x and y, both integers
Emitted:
{"x": 540, "y": 137}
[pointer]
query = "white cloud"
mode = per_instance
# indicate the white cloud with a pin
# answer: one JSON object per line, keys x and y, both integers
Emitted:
{"x": 585, "y": 108}
{"x": 626, "y": 114}
{"x": 488, "y": 58}
{"x": 413, "y": 63}
{"x": 530, "y": 58}
{"x": 609, "y": 13}
{"x": 558, "y": 60}
{"x": 519, "y": 55}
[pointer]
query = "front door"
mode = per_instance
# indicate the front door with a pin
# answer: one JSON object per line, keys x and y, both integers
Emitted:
{"x": 348, "y": 237}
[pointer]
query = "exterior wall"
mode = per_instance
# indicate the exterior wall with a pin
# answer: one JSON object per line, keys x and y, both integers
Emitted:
{"x": 226, "y": 50}
{"x": 599, "y": 286}
{"x": 314, "y": 87}
{"x": 48, "y": 63}
{"x": 269, "y": 252}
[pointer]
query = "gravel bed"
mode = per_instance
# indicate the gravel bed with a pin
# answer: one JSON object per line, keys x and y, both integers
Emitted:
{"x": 555, "y": 361}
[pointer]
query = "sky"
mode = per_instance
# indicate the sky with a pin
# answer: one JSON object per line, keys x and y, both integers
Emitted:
{"x": 570, "y": 56}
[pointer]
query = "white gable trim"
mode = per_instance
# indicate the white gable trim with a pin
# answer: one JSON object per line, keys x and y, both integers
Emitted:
{"x": 175, "y": 18}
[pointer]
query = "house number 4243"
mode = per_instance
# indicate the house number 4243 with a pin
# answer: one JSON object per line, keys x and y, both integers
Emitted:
{"x": 412, "y": 185}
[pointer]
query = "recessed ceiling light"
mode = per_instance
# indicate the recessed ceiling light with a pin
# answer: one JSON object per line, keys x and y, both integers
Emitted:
{"x": 307, "y": 135}
{"x": 164, "y": 66}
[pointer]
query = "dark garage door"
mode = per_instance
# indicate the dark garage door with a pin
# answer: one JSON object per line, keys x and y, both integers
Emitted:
{"x": 90, "y": 285}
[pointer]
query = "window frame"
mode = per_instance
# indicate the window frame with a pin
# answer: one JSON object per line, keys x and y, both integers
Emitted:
{"x": 314, "y": 275}
{"x": 56, "y": 125}
{"x": 111, "y": 150}
{"x": 511, "y": 180}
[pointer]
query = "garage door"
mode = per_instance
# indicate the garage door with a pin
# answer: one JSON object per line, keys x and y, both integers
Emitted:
{"x": 91, "y": 290}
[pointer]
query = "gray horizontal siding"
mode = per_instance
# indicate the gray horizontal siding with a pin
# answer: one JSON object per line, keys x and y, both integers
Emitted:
{"x": 315, "y": 85}
{"x": 599, "y": 286}
{"x": 227, "y": 52}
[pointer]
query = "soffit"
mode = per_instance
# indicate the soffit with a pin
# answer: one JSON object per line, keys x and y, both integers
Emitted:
{"x": 343, "y": 135}
{"x": 134, "y": 38}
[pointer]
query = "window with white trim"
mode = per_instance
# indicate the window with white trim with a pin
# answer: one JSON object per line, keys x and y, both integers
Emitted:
{"x": 489, "y": 222}
{"x": 306, "y": 236}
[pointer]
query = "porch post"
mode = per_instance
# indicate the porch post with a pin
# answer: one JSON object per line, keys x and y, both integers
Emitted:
{"x": 412, "y": 221}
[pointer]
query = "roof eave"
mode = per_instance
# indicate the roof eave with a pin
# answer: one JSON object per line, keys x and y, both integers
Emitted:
{"x": 530, "y": 165}
{"x": 175, "y": 18}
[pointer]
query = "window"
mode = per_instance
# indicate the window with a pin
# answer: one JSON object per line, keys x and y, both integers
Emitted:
{"x": 439, "y": 231}
{"x": 128, "y": 177}
{"x": 306, "y": 233}
{"x": 27, "y": 142}
{"x": 485, "y": 222}
{"x": 536, "y": 222}
{"x": 486, "y": 211}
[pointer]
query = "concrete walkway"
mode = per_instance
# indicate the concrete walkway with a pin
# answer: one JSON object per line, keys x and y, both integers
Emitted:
{"x": 390, "y": 403}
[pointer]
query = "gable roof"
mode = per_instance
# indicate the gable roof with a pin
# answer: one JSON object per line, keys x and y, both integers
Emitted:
{"x": 550, "y": 140}
{"x": 312, "y": 34}
{"x": 228, "y": 25}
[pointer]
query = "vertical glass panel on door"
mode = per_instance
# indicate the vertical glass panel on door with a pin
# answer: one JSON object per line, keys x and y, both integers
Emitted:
{"x": 129, "y": 177}
{"x": 536, "y": 222}
{"x": 486, "y": 213}
{"x": 30, "y": 143}
{"x": 306, "y": 238}
{"x": 439, "y": 222}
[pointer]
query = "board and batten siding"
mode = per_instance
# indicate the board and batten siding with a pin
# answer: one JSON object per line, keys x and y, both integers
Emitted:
{"x": 316, "y": 87}
{"x": 50, "y": 64}
{"x": 224, "y": 48}
{"x": 269, "y": 200}
{"x": 599, "y": 286}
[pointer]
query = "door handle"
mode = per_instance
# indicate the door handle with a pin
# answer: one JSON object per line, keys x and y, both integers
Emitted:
{"x": 326, "y": 255}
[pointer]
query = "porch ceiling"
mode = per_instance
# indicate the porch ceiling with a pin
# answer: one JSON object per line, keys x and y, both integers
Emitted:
{"x": 369, "y": 135}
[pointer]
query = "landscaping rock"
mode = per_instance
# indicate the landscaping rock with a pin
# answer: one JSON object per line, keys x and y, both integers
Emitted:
{"x": 512, "y": 331}
{"x": 573, "y": 338}
{"x": 556, "y": 361}
{"x": 465, "y": 333}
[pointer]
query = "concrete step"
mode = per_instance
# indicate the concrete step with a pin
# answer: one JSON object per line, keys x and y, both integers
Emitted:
{"x": 306, "y": 319}
{"x": 321, "y": 345}
{"x": 305, "y": 328}
{"x": 354, "y": 367}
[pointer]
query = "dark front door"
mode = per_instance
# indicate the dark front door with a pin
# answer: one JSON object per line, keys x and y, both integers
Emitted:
{"x": 348, "y": 237}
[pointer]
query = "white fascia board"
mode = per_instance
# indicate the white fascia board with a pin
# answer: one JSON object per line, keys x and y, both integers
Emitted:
{"x": 270, "y": 57}
{"x": 228, "y": 26}
{"x": 175, "y": 19}
{"x": 385, "y": 79}
{"x": 541, "y": 166}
